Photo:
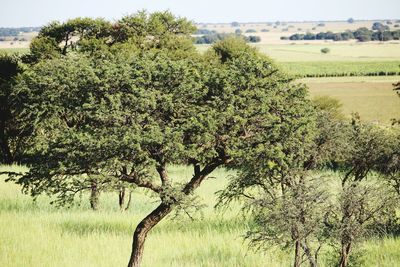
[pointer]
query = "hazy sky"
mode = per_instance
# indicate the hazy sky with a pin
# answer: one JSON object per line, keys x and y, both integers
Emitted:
{"x": 39, "y": 12}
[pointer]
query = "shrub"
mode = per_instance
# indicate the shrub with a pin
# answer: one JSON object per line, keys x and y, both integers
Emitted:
{"x": 325, "y": 50}
{"x": 250, "y": 31}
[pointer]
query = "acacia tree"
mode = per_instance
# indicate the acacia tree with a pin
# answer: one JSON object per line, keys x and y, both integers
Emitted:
{"x": 96, "y": 39}
{"x": 125, "y": 118}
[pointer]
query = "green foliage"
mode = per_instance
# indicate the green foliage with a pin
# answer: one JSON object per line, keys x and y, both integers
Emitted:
{"x": 325, "y": 50}
{"x": 13, "y": 133}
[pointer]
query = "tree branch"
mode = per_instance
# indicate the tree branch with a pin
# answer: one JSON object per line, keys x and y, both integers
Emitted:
{"x": 134, "y": 179}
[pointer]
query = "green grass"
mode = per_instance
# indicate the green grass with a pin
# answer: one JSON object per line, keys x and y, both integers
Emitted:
{"x": 37, "y": 234}
{"x": 14, "y": 50}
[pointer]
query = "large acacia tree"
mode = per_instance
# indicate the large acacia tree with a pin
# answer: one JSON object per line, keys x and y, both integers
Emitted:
{"x": 126, "y": 115}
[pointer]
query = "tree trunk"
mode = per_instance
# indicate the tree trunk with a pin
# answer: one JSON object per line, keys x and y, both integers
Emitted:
{"x": 94, "y": 195}
{"x": 297, "y": 255}
{"x": 344, "y": 255}
{"x": 121, "y": 198}
{"x": 139, "y": 237}
{"x": 307, "y": 251}
{"x": 129, "y": 201}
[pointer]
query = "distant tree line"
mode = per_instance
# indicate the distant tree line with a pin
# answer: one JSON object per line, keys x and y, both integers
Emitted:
{"x": 17, "y": 31}
{"x": 361, "y": 34}
{"x": 213, "y": 37}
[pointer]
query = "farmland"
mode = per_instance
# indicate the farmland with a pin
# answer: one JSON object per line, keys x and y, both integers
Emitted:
{"x": 80, "y": 237}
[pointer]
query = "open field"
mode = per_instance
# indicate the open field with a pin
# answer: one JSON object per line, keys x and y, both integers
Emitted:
{"x": 80, "y": 237}
{"x": 372, "y": 97}
{"x": 339, "y": 52}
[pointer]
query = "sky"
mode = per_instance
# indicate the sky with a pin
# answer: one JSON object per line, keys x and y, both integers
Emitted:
{"x": 16, "y": 13}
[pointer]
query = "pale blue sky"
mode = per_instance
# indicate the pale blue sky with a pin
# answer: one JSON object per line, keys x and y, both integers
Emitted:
{"x": 39, "y": 12}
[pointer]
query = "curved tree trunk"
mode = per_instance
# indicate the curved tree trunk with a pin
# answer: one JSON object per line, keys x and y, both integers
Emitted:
{"x": 142, "y": 230}
{"x": 94, "y": 195}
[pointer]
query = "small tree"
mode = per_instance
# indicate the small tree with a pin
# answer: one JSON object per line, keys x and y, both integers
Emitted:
{"x": 361, "y": 203}
{"x": 350, "y": 20}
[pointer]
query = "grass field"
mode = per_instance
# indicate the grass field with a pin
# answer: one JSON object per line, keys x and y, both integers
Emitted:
{"x": 372, "y": 97}
{"x": 39, "y": 235}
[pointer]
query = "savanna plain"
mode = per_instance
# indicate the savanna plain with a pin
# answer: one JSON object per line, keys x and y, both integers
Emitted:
{"x": 35, "y": 233}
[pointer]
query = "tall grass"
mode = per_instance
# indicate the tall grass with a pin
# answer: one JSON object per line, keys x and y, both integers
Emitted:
{"x": 38, "y": 234}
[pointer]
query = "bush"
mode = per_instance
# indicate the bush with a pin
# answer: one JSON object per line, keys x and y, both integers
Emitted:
{"x": 325, "y": 50}
{"x": 250, "y": 31}
{"x": 238, "y": 31}
{"x": 264, "y": 30}
{"x": 253, "y": 39}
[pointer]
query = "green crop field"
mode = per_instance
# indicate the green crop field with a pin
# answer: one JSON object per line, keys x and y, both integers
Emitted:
{"x": 341, "y": 68}
{"x": 81, "y": 237}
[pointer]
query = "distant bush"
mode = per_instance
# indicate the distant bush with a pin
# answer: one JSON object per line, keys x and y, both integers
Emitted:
{"x": 253, "y": 39}
{"x": 285, "y": 29}
{"x": 350, "y": 20}
{"x": 235, "y": 24}
{"x": 389, "y": 22}
{"x": 321, "y": 25}
{"x": 377, "y": 26}
{"x": 396, "y": 26}
{"x": 284, "y": 38}
{"x": 264, "y": 30}
{"x": 325, "y": 50}
{"x": 313, "y": 28}
{"x": 251, "y": 31}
